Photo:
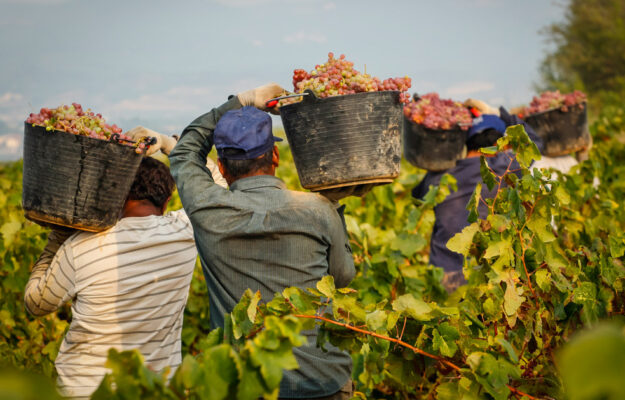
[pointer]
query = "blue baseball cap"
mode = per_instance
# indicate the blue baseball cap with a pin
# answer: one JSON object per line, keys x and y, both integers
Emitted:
{"x": 245, "y": 132}
{"x": 487, "y": 121}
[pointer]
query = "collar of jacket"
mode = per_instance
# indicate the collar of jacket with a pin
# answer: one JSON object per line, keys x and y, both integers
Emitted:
{"x": 258, "y": 181}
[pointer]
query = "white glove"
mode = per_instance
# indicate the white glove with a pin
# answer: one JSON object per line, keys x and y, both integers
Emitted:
{"x": 217, "y": 177}
{"x": 258, "y": 97}
{"x": 481, "y": 106}
{"x": 163, "y": 143}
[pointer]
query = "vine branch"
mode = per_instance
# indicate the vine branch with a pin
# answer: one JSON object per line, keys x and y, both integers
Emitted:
{"x": 404, "y": 344}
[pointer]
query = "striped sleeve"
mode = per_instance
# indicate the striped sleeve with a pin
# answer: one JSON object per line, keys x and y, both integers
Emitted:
{"x": 51, "y": 282}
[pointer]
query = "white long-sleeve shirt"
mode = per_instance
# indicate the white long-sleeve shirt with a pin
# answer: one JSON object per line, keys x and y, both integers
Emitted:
{"x": 128, "y": 286}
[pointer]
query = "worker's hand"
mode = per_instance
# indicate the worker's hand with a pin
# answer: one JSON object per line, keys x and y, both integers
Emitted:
{"x": 337, "y": 194}
{"x": 481, "y": 106}
{"x": 258, "y": 97}
{"x": 342, "y": 192}
{"x": 582, "y": 155}
{"x": 163, "y": 143}
{"x": 59, "y": 234}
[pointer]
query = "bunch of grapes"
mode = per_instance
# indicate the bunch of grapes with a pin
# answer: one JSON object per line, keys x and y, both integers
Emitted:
{"x": 73, "y": 119}
{"x": 338, "y": 77}
{"x": 553, "y": 100}
{"x": 433, "y": 112}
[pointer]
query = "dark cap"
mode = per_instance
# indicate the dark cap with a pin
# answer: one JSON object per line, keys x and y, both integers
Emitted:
{"x": 244, "y": 134}
{"x": 487, "y": 121}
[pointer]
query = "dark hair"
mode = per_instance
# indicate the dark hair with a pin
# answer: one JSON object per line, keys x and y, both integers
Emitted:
{"x": 153, "y": 182}
{"x": 239, "y": 168}
{"x": 483, "y": 139}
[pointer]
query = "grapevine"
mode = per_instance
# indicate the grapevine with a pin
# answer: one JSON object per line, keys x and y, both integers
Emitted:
{"x": 553, "y": 100}
{"x": 73, "y": 119}
{"x": 435, "y": 113}
{"x": 337, "y": 76}
{"x": 546, "y": 262}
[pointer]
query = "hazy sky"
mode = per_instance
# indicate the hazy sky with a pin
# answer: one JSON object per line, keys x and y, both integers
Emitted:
{"x": 162, "y": 63}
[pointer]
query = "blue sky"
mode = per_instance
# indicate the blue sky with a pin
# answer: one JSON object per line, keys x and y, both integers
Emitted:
{"x": 162, "y": 63}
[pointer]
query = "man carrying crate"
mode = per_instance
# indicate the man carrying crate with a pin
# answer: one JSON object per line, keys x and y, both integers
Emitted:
{"x": 258, "y": 234}
{"x": 452, "y": 214}
{"x": 128, "y": 285}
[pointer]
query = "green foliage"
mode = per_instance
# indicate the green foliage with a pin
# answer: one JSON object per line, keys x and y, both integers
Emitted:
{"x": 244, "y": 362}
{"x": 23, "y": 385}
{"x": 546, "y": 262}
{"x": 25, "y": 342}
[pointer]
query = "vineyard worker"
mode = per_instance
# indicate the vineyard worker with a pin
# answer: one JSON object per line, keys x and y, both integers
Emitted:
{"x": 452, "y": 215}
{"x": 128, "y": 285}
{"x": 258, "y": 234}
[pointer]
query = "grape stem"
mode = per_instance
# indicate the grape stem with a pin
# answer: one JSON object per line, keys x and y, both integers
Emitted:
{"x": 404, "y": 344}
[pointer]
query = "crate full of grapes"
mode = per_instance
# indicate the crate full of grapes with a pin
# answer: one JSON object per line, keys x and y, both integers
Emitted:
{"x": 345, "y": 128}
{"x": 560, "y": 120}
{"x": 77, "y": 168}
{"x": 435, "y": 132}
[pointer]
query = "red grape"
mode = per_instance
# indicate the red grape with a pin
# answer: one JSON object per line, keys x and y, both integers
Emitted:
{"x": 73, "y": 119}
{"x": 338, "y": 77}
{"x": 435, "y": 113}
{"x": 553, "y": 100}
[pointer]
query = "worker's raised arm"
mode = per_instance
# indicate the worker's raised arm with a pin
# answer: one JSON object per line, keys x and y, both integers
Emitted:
{"x": 194, "y": 180}
{"x": 51, "y": 282}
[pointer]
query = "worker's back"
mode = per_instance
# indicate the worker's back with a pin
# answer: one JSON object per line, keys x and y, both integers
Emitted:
{"x": 129, "y": 287}
{"x": 265, "y": 237}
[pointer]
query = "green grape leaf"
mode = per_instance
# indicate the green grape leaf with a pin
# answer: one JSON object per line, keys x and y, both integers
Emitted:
{"x": 461, "y": 242}
{"x": 473, "y": 204}
{"x": 413, "y": 307}
{"x": 541, "y": 227}
{"x": 252, "y": 307}
{"x": 377, "y": 321}
{"x": 9, "y": 231}
{"x": 490, "y": 150}
{"x": 513, "y": 298}
{"x": 326, "y": 286}
{"x": 543, "y": 279}
{"x": 509, "y": 349}
{"x": 190, "y": 371}
{"x": 617, "y": 246}
{"x": 444, "y": 339}
{"x": 408, "y": 244}
{"x": 562, "y": 195}
{"x": 526, "y": 150}
{"x": 487, "y": 175}
{"x": 586, "y": 292}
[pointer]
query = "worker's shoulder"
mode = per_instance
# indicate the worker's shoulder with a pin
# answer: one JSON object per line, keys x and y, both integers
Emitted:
{"x": 309, "y": 200}
{"x": 133, "y": 228}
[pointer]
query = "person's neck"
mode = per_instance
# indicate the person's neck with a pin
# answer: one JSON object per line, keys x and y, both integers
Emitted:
{"x": 255, "y": 173}
{"x": 140, "y": 208}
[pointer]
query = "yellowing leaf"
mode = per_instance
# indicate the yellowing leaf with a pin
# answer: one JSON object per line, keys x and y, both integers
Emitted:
{"x": 461, "y": 242}
{"x": 513, "y": 298}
